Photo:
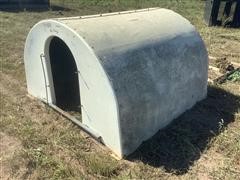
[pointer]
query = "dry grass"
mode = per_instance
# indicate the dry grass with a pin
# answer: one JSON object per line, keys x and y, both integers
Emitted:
{"x": 202, "y": 144}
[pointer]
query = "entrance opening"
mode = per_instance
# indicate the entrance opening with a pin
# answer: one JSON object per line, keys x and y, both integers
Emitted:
{"x": 64, "y": 75}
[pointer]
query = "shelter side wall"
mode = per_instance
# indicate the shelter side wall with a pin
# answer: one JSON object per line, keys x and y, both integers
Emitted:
{"x": 156, "y": 62}
{"x": 156, "y": 82}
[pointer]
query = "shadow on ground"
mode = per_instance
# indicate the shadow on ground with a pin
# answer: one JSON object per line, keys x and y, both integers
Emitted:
{"x": 34, "y": 9}
{"x": 180, "y": 144}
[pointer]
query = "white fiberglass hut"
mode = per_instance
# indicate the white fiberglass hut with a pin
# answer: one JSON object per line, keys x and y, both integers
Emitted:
{"x": 131, "y": 73}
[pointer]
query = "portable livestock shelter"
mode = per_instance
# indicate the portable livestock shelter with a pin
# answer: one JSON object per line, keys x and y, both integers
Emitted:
{"x": 131, "y": 72}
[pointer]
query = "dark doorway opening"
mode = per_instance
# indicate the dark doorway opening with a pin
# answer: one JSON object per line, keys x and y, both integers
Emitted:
{"x": 65, "y": 76}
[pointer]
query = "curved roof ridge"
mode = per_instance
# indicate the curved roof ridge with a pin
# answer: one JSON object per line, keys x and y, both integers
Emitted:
{"x": 108, "y": 14}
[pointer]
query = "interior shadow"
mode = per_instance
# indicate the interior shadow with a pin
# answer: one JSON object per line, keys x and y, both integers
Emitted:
{"x": 65, "y": 75}
{"x": 180, "y": 144}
